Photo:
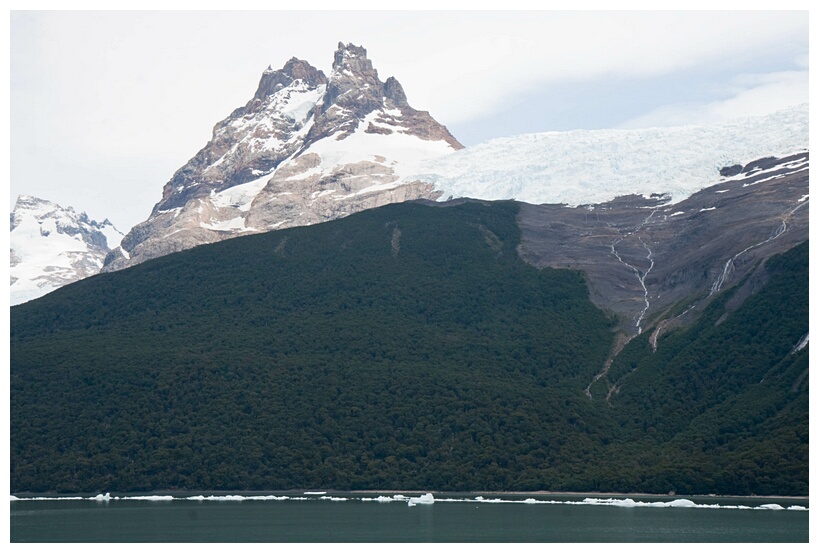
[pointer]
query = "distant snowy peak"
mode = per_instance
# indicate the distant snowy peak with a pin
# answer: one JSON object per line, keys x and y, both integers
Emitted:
{"x": 52, "y": 246}
{"x": 51, "y": 217}
{"x": 305, "y": 149}
{"x": 593, "y": 166}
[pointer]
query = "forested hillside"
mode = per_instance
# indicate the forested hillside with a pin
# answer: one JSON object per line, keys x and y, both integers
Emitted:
{"x": 405, "y": 347}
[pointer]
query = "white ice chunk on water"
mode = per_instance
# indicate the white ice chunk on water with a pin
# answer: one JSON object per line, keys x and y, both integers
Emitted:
{"x": 771, "y": 507}
{"x": 681, "y": 503}
{"x": 217, "y": 498}
{"x": 425, "y": 499}
{"x": 628, "y": 502}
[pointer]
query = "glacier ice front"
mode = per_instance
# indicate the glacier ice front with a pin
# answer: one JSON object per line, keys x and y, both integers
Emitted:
{"x": 584, "y": 167}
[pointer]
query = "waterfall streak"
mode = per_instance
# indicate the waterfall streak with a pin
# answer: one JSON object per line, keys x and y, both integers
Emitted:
{"x": 776, "y": 233}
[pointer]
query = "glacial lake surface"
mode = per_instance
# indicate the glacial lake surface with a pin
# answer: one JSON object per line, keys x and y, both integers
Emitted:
{"x": 408, "y": 517}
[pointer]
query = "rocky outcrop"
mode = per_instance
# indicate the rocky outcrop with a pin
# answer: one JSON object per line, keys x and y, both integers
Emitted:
{"x": 355, "y": 91}
{"x": 656, "y": 265}
{"x": 305, "y": 149}
{"x": 253, "y": 139}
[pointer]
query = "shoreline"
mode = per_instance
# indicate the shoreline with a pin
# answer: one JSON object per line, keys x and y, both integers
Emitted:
{"x": 593, "y": 493}
{"x": 320, "y": 493}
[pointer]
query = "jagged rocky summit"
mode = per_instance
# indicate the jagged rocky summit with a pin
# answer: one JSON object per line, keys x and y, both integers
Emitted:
{"x": 51, "y": 246}
{"x": 305, "y": 149}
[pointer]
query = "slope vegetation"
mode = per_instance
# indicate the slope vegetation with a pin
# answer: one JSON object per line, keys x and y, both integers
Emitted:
{"x": 403, "y": 347}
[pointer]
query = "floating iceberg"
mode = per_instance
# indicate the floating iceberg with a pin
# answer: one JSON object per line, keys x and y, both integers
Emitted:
{"x": 425, "y": 499}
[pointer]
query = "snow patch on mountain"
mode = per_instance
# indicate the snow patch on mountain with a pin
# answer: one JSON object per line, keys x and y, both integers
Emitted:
{"x": 398, "y": 151}
{"x": 240, "y": 196}
{"x": 235, "y": 224}
{"x": 51, "y": 246}
{"x": 593, "y": 166}
{"x": 279, "y": 124}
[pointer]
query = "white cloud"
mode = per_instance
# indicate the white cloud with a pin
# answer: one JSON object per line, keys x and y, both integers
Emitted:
{"x": 477, "y": 64}
{"x": 108, "y": 92}
{"x": 750, "y": 95}
{"x": 157, "y": 73}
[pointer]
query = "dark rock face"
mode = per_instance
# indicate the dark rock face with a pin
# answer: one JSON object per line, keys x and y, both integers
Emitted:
{"x": 760, "y": 165}
{"x": 273, "y": 81}
{"x": 655, "y": 265}
{"x": 731, "y": 171}
{"x": 201, "y": 174}
{"x": 352, "y": 71}
{"x": 354, "y": 91}
{"x": 395, "y": 92}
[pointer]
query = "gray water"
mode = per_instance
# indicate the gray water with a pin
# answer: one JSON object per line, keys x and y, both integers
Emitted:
{"x": 360, "y": 518}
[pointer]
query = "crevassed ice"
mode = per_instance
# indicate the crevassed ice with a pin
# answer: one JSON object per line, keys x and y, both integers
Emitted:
{"x": 593, "y": 166}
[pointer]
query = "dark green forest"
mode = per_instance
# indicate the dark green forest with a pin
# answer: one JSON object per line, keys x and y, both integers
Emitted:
{"x": 406, "y": 347}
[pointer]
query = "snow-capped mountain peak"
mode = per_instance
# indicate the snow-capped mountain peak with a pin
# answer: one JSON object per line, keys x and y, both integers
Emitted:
{"x": 294, "y": 70}
{"x": 305, "y": 149}
{"x": 52, "y": 246}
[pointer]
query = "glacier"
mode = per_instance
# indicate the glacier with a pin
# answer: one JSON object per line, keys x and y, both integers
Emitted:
{"x": 584, "y": 167}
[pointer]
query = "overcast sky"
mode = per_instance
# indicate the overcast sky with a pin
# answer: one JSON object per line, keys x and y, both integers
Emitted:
{"x": 105, "y": 106}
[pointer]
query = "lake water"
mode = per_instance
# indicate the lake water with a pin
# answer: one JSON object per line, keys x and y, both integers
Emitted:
{"x": 409, "y": 518}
